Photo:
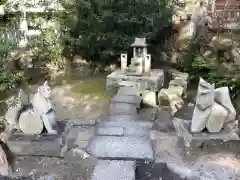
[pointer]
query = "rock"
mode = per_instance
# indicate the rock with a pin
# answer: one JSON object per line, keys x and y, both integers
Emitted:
{"x": 114, "y": 170}
{"x": 207, "y": 53}
{"x": 221, "y": 96}
{"x": 199, "y": 15}
{"x": 217, "y": 118}
{"x": 236, "y": 55}
{"x": 30, "y": 123}
{"x": 221, "y": 43}
{"x": 171, "y": 97}
{"x": 186, "y": 35}
{"x": 177, "y": 74}
{"x": 149, "y": 98}
{"x": 112, "y": 147}
{"x": 179, "y": 81}
{"x": 175, "y": 57}
{"x": 203, "y": 108}
{"x": 164, "y": 56}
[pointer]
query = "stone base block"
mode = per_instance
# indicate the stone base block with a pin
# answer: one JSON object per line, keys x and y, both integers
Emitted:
{"x": 121, "y": 148}
{"x": 33, "y": 145}
{"x": 154, "y": 82}
{"x": 114, "y": 170}
{"x": 226, "y": 140}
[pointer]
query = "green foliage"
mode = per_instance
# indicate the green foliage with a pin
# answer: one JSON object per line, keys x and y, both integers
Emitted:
{"x": 104, "y": 29}
{"x": 8, "y": 79}
{"x": 49, "y": 47}
{"x": 197, "y": 66}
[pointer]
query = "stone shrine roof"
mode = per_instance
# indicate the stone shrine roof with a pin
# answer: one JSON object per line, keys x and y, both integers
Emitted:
{"x": 139, "y": 42}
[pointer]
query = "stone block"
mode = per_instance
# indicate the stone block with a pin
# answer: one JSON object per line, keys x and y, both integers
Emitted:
{"x": 153, "y": 82}
{"x": 84, "y": 135}
{"x": 130, "y": 117}
{"x": 114, "y": 170}
{"x": 149, "y": 98}
{"x": 124, "y": 148}
{"x": 130, "y": 91}
{"x": 148, "y": 114}
{"x": 135, "y": 100}
{"x": 127, "y": 124}
{"x": 27, "y": 145}
{"x": 122, "y": 109}
{"x": 204, "y": 141}
{"x": 109, "y": 131}
{"x": 133, "y": 131}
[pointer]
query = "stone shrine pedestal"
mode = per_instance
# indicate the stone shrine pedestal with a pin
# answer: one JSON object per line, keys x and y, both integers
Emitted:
{"x": 153, "y": 82}
{"x": 194, "y": 143}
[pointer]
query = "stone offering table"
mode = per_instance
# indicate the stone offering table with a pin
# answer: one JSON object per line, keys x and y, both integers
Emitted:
{"x": 153, "y": 82}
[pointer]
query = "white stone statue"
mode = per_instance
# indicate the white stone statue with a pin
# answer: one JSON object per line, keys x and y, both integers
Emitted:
{"x": 213, "y": 108}
{"x": 42, "y": 106}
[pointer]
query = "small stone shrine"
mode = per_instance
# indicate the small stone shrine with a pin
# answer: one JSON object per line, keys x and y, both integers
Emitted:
{"x": 213, "y": 122}
{"x": 138, "y": 73}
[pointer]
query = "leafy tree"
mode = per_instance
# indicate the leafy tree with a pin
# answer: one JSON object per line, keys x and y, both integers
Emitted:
{"x": 104, "y": 29}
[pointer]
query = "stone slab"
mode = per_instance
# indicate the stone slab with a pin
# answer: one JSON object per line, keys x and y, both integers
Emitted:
{"x": 129, "y": 91}
{"x": 122, "y": 109}
{"x": 135, "y": 100}
{"x": 154, "y": 82}
{"x": 121, "y": 148}
{"x": 226, "y": 139}
{"x": 35, "y": 148}
{"x": 114, "y": 170}
{"x": 123, "y": 117}
{"x": 109, "y": 131}
{"x": 127, "y": 124}
{"x": 134, "y": 131}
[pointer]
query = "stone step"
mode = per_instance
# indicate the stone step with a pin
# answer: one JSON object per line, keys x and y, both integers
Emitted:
{"x": 114, "y": 170}
{"x": 135, "y": 100}
{"x": 109, "y": 131}
{"x": 122, "y": 109}
{"x": 120, "y": 131}
{"x": 121, "y": 148}
{"x": 123, "y": 117}
{"x": 130, "y": 91}
{"x": 34, "y": 145}
{"x": 126, "y": 124}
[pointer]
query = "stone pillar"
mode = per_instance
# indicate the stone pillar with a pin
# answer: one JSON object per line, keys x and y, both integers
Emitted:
{"x": 147, "y": 63}
{"x": 144, "y": 51}
{"x": 134, "y": 52}
{"x": 123, "y": 62}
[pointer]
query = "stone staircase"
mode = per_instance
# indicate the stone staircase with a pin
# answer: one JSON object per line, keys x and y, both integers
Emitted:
{"x": 121, "y": 140}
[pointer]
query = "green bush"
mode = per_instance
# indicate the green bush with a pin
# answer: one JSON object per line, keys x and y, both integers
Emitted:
{"x": 8, "y": 79}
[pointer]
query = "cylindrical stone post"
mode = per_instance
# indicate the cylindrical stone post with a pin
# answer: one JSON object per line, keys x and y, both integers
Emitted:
{"x": 123, "y": 62}
{"x": 147, "y": 65}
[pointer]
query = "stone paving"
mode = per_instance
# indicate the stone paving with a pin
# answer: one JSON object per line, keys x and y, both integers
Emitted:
{"x": 121, "y": 139}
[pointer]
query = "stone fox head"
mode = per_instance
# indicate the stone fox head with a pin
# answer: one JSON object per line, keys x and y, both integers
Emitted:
{"x": 205, "y": 94}
{"x": 45, "y": 90}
